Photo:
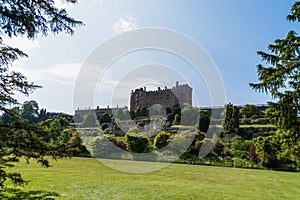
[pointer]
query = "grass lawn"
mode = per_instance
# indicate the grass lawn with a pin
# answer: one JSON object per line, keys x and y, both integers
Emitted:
{"x": 86, "y": 178}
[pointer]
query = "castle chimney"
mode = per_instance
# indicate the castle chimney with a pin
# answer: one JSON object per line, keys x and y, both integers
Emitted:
{"x": 158, "y": 88}
{"x": 177, "y": 83}
{"x": 145, "y": 89}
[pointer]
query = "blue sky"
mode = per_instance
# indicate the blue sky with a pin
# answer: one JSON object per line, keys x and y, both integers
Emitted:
{"x": 231, "y": 31}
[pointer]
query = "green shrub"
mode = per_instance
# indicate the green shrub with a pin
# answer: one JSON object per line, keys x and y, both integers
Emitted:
{"x": 104, "y": 146}
{"x": 182, "y": 142}
{"x": 137, "y": 143}
{"x": 162, "y": 139}
{"x": 237, "y": 147}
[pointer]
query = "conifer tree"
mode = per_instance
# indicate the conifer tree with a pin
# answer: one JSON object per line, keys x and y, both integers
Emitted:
{"x": 231, "y": 118}
{"x": 281, "y": 79}
{"x": 26, "y": 18}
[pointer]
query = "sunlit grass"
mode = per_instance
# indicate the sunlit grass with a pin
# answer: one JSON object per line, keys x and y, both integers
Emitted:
{"x": 87, "y": 178}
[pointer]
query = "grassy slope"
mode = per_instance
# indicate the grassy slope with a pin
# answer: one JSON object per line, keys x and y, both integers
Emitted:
{"x": 83, "y": 178}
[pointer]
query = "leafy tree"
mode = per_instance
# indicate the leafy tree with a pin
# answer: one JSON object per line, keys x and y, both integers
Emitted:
{"x": 231, "y": 118}
{"x": 282, "y": 80}
{"x": 66, "y": 135}
{"x": 19, "y": 139}
{"x": 30, "y": 111}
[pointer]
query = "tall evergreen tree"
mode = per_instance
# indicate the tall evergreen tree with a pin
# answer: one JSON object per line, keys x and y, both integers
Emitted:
{"x": 281, "y": 79}
{"x": 19, "y": 139}
{"x": 231, "y": 118}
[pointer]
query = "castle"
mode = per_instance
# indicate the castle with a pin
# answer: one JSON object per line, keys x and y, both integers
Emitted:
{"x": 141, "y": 98}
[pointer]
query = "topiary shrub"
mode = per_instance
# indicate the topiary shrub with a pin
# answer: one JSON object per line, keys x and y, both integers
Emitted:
{"x": 162, "y": 139}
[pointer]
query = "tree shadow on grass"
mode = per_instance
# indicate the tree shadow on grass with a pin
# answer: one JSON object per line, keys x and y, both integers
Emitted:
{"x": 17, "y": 194}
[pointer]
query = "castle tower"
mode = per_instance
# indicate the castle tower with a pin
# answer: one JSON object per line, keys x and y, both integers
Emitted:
{"x": 166, "y": 97}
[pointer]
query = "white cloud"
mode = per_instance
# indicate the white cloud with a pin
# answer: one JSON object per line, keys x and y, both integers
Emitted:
{"x": 62, "y": 73}
{"x": 126, "y": 23}
{"x": 22, "y": 43}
